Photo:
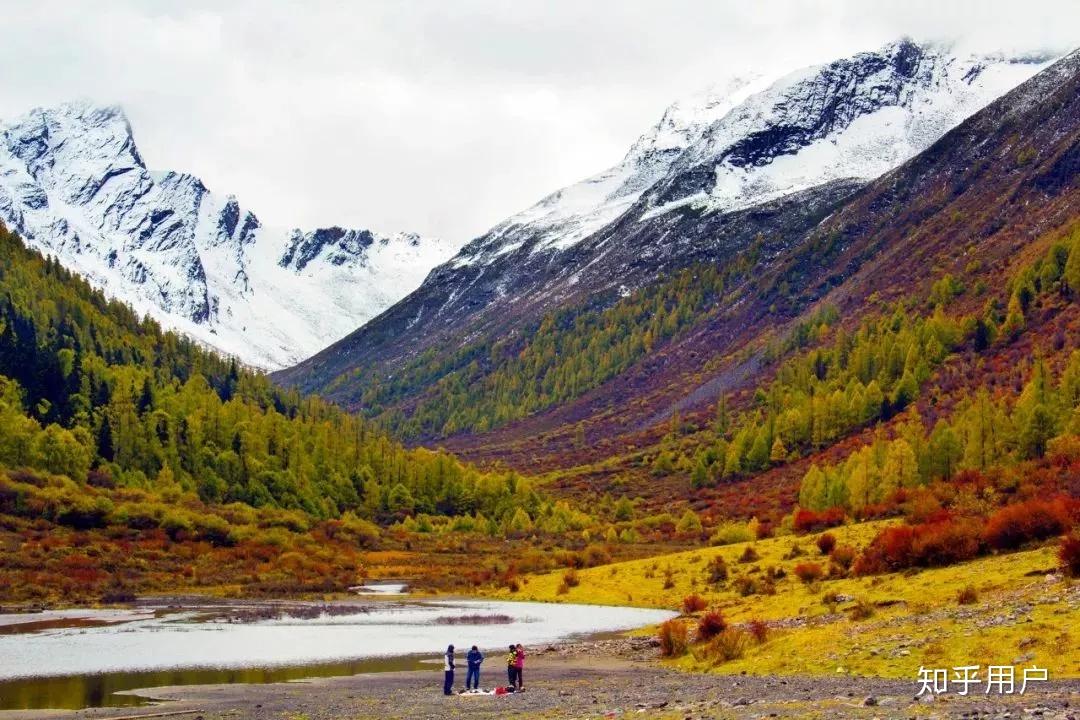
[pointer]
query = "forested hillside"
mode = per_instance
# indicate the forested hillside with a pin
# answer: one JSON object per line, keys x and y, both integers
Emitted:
{"x": 488, "y": 383}
{"x": 90, "y": 388}
{"x": 132, "y": 458}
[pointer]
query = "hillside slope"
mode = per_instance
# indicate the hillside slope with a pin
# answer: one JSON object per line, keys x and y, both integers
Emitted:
{"x": 970, "y": 206}
{"x": 795, "y": 148}
{"x": 877, "y": 627}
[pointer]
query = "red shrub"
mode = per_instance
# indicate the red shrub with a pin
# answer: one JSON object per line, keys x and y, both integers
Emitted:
{"x": 1013, "y": 525}
{"x": 889, "y": 550}
{"x": 945, "y": 543}
{"x": 938, "y": 516}
{"x": 1072, "y": 505}
{"x": 710, "y": 625}
{"x": 925, "y": 545}
{"x": 693, "y": 603}
{"x": 1069, "y": 554}
{"x": 808, "y": 571}
{"x": 826, "y": 542}
{"x": 806, "y": 521}
{"x": 971, "y": 478}
{"x": 878, "y": 511}
{"x": 759, "y": 629}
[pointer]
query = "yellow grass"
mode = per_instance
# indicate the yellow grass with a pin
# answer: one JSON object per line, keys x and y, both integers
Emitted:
{"x": 1021, "y": 617}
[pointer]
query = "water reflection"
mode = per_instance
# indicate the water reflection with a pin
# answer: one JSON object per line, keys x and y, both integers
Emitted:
{"x": 34, "y": 626}
{"x": 74, "y": 692}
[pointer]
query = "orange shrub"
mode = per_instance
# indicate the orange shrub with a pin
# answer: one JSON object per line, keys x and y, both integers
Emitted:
{"x": 596, "y": 555}
{"x": 749, "y": 555}
{"x": 1013, "y": 525}
{"x": 728, "y": 645}
{"x": 673, "y": 637}
{"x": 718, "y": 570}
{"x": 843, "y": 555}
{"x": 808, "y": 572}
{"x": 968, "y": 596}
{"x": 693, "y": 603}
{"x": 710, "y": 625}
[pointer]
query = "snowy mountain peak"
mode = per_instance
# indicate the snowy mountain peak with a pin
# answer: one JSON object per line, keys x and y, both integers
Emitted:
{"x": 856, "y": 117}
{"x": 568, "y": 215}
{"x": 684, "y": 119}
{"x": 755, "y": 139}
{"x": 74, "y": 185}
{"x": 70, "y": 145}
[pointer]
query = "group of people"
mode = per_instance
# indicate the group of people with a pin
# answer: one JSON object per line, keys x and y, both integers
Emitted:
{"x": 515, "y": 667}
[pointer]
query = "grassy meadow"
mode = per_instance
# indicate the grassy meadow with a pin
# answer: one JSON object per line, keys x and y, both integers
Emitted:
{"x": 1004, "y": 609}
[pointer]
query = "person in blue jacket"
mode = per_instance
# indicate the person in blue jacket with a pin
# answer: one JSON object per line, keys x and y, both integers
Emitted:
{"x": 472, "y": 677}
{"x": 448, "y": 671}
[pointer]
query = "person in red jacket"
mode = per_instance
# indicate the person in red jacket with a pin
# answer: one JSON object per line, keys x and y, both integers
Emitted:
{"x": 519, "y": 666}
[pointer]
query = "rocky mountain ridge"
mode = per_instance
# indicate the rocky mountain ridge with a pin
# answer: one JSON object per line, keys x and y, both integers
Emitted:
{"x": 74, "y": 184}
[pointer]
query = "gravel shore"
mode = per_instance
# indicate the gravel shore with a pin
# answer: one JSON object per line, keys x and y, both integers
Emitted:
{"x": 598, "y": 679}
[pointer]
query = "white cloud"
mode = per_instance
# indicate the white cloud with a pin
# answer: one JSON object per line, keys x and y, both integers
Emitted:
{"x": 440, "y": 117}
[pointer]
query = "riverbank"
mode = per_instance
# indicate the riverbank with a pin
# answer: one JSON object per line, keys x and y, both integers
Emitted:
{"x": 596, "y": 679}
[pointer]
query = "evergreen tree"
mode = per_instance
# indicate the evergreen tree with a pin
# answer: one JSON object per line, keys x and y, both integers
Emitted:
{"x": 689, "y": 523}
{"x": 1071, "y": 273}
{"x": 778, "y": 452}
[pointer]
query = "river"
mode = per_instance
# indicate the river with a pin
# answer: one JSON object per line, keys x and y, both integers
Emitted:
{"x": 90, "y": 658}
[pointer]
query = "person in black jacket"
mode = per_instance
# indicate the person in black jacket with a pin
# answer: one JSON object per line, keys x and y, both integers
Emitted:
{"x": 472, "y": 677}
{"x": 511, "y": 667}
{"x": 448, "y": 671}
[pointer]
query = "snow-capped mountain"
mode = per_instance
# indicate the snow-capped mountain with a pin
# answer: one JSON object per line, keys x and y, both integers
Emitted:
{"x": 761, "y": 158}
{"x": 73, "y": 184}
{"x": 756, "y": 139}
{"x": 853, "y": 118}
{"x": 572, "y": 213}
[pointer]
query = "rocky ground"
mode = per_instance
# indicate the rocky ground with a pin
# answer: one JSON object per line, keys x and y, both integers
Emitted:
{"x": 602, "y": 679}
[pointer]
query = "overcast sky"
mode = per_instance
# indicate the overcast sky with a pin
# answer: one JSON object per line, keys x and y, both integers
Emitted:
{"x": 446, "y": 116}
